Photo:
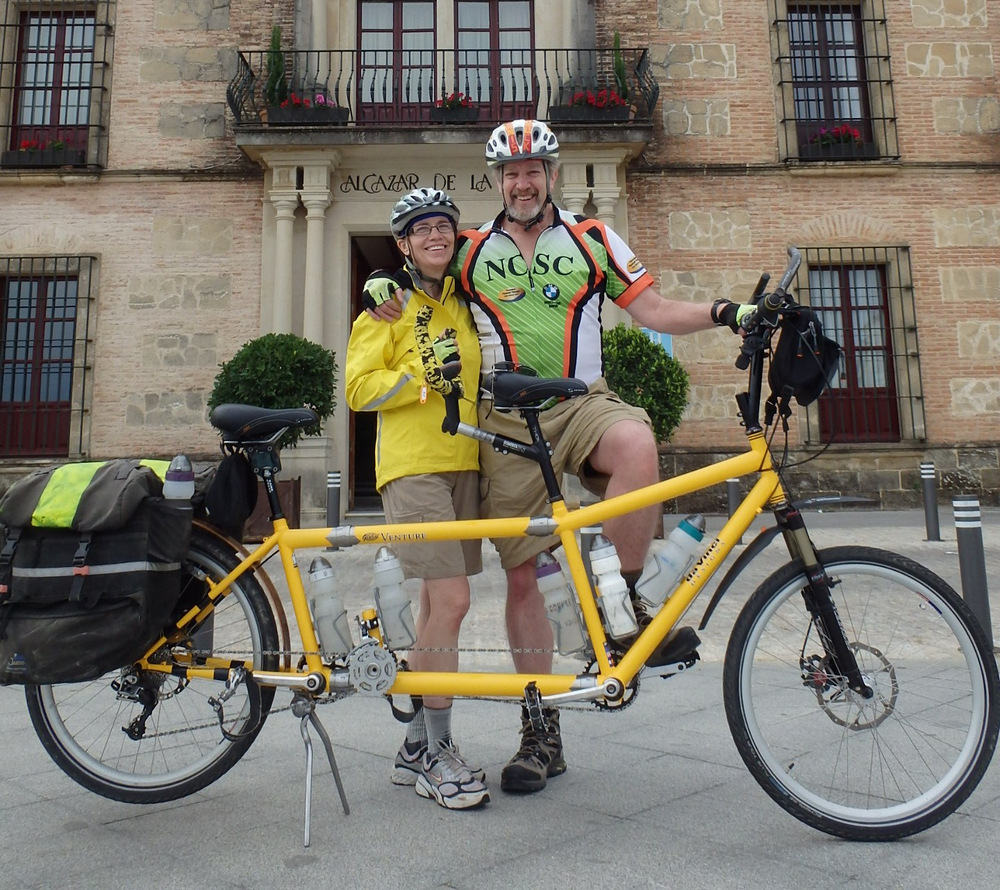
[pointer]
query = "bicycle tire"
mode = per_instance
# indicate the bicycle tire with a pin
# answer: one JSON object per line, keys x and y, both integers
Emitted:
{"x": 868, "y": 770}
{"x": 81, "y": 725}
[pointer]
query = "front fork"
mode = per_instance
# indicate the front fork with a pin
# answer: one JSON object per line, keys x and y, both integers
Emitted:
{"x": 819, "y": 601}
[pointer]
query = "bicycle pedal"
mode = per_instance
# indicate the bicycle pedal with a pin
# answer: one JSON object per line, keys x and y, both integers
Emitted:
{"x": 680, "y": 646}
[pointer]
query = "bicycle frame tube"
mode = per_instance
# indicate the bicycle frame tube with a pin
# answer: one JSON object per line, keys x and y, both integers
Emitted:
{"x": 564, "y": 523}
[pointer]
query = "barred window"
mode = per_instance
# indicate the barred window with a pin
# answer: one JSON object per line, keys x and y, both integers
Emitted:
{"x": 54, "y": 59}
{"x": 834, "y": 80}
{"x": 864, "y": 297}
{"x": 44, "y": 311}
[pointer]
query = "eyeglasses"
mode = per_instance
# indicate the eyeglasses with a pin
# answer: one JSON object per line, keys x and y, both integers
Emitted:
{"x": 422, "y": 230}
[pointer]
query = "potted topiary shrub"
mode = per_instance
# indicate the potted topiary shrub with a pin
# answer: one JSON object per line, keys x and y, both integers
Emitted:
{"x": 644, "y": 375}
{"x": 280, "y": 371}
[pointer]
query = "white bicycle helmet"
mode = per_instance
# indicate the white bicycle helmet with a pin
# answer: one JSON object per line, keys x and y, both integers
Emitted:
{"x": 418, "y": 203}
{"x": 521, "y": 140}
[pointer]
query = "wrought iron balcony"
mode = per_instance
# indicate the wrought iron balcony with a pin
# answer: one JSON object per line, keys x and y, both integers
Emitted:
{"x": 369, "y": 88}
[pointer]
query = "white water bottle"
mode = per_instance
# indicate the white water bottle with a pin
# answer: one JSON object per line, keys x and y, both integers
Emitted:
{"x": 329, "y": 614}
{"x": 560, "y": 607}
{"x": 395, "y": 613}
{"x": 612, "y": 591}
{"x": 664, "y": 571}
{"x": 178, "y": 483}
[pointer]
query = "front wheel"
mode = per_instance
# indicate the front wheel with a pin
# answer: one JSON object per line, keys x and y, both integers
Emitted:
{"x": 876, "y": 768}
{"x": 147, "y": 737}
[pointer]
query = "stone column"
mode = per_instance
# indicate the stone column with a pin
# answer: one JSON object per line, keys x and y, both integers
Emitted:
{"x": 285, "y": 199}
{"x": 575, "y": 191}
{"x": 606, "y": 192}
{"x": 315, "y": 196}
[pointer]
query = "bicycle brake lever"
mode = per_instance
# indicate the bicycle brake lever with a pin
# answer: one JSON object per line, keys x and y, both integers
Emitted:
{"x": 751, "y": 343}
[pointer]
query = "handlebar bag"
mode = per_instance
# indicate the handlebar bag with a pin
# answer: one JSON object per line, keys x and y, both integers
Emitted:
{"x": 93, "y": 594}
{"x": 805, "y": 360}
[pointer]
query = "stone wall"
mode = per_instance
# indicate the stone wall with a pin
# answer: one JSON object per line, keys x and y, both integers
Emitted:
{"x": 888, "y": 478}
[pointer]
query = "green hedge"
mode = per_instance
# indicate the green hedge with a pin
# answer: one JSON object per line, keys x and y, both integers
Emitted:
{"x": 642, "y": 373}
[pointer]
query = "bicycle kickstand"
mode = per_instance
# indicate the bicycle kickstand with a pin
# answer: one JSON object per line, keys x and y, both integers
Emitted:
{"x": 304, "y": 708}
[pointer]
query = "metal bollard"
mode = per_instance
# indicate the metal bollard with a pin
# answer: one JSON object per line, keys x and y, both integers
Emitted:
{"x": 333, "y": 500}
{"x": 972, "y": 560}
{"x": 733, "y": 499}
{"x": 929, "y": 483}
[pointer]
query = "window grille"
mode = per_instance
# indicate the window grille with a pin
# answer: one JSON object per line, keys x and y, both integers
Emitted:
{"x": 864, "y": 297}
{"x": 54, "y": 73}
{"x": 834, "y": 81}
{"x": 44, "y": 354}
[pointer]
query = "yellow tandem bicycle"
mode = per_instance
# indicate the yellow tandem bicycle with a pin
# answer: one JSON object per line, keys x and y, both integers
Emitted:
{"x": 859, "y": 689}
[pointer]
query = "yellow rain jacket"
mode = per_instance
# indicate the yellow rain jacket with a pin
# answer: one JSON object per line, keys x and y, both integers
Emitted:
{"x": 385, "y": 374}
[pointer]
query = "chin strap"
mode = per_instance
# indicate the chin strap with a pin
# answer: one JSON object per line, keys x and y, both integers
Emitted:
{"x": 419, "y": 278}
{"x": 531, "y": 223}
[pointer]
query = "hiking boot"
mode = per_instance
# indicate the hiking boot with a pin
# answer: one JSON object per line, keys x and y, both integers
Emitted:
{"x": 642, "y": 616}
{"x": 407, "y": 766}
{"x": 446, "y": 778}
{"x": 539, "y": 758}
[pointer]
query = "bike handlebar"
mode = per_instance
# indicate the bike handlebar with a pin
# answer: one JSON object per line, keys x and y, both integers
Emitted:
{"x": 768, "y": 306}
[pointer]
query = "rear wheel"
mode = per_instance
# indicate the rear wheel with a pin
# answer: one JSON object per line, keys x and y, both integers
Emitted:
{"x": 875, "y": 768}
{"x": 95, "y": 731}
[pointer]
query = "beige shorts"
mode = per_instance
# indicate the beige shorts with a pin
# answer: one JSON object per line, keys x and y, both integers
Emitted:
{"x": 435, "y": 497}
{"x": 513, "y": 486}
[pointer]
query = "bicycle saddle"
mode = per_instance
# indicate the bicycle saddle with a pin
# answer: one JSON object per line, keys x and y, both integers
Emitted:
{"x": 248, "y": 423}
{"x": 513, "y": 390}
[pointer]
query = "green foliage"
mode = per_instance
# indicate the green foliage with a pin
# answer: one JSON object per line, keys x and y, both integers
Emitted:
{"x": 276, "y": 90}
{"x": 642, "y": 373}
{"x": 280, "y": 371}
{"x": 619, "y": 65}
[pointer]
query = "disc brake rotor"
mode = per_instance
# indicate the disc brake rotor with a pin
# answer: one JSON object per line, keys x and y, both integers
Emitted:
{"x": 848, "y": 709}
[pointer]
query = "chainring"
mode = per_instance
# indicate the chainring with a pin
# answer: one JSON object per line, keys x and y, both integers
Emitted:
{"x": 628, "y": 696}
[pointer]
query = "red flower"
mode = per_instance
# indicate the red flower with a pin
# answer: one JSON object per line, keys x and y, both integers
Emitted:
{"x": 606, "y": 98}
{"x": 454, "y": 100}
{"x": 296, "y": 101}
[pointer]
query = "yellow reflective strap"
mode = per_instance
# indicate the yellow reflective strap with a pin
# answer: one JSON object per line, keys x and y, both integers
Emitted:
{"x": 60, "y": 498}
{"x": 159, "y": 467}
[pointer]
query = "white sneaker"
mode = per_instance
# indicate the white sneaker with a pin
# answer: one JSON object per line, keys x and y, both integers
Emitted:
{"x": 407, "y": 765}
{"x": 446, "y": 778}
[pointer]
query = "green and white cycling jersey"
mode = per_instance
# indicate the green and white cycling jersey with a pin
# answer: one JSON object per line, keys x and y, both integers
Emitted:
{"x": 547, "y": 315}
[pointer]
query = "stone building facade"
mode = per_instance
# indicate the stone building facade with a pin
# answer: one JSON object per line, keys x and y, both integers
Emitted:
{"x": 200, "y": 230}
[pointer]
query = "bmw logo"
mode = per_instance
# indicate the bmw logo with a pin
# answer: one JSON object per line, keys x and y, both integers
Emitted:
{"x": 551, "y": 292}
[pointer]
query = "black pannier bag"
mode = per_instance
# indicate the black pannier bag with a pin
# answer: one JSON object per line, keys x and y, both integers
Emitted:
{"x": 803, "y": 363}
{"x": 82, "y": 600}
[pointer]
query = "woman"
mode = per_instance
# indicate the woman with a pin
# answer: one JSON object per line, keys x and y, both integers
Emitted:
{"x": 422, "y": 473}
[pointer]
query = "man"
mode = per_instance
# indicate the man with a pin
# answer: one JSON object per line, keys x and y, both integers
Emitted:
{"x": 537, "y": 276}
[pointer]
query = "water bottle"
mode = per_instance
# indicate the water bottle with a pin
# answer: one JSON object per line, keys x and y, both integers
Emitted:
{"x": 178, "y": 484}
{"x": 395, "y": 614}
{"x": 664, "y": 571}
{"x": 612, "y": 591}
{"x": 329, "y": 614}
{"x": 560, "y": 605}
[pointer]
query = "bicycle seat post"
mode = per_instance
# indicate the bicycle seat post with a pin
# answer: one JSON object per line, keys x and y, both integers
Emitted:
{"x": 541, "y": 454}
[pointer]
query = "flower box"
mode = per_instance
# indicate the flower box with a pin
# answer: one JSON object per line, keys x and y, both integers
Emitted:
{"x": 463, "y": 114}
{"x": 580, "y": 114}
{"x": 299, "y": 116}
{"x": 45, "y": 157}
{"x": 839, "y": 151}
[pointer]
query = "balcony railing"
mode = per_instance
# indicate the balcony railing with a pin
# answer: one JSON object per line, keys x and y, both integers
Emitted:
{"x": 382, "y": 88}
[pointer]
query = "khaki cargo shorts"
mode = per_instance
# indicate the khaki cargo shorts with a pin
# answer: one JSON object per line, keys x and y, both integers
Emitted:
{"x": 513, "y": 486}
{"x": 435, "y": 497}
